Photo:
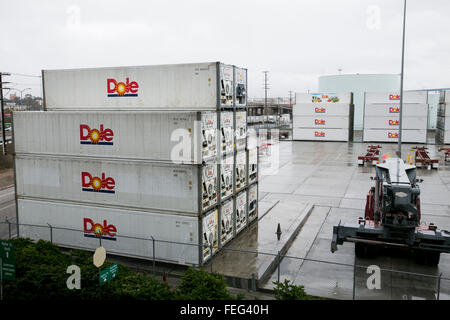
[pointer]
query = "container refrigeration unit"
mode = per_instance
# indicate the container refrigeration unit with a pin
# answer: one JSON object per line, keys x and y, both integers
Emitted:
{"x": 443, "y": 118}
{"x": 226, "y": 222}
{"x": 323, "y": 117}
{"x": 240, "y": 206}
{"x": 382, "y": 116}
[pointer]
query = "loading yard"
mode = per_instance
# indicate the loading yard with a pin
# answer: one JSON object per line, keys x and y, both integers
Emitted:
{"x": 327, "y": 175}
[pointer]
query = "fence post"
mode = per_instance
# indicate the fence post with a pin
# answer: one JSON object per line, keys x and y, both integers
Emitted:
{"x": 211, "y": 251}
{"x": 51, "y": 233}
{"x": 9, "y": 227}
{"x": 439, "y": 286}
{"x": 253, "y": 282}
{"x": 279, "y": 262}
{"x": 153, "y": 242}
{"x": 354, "y": 279}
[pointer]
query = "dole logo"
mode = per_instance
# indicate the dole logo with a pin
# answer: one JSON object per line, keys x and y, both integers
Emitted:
{"x": 394, "y": 97}
{"x": 393, "y": 122}
{"x": 394, "y": 110}
{"x": 96, "y": 136}
{"x": 96, "y": 230}
{"x": 319, "y": 122}
{"x": 392, "y": 135}
{"x": 320, "y": 110}
{"x": 319, "y": 134}
{"x": 121, "y": 89}
{"x": 97, "y": 184}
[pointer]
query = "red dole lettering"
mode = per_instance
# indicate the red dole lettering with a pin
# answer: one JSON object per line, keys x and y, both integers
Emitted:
{"x": 95, "y": 136}
{"x": 96, "y": 184}
{"x": 92, "y": 229}
{"x": 121, "y": 89}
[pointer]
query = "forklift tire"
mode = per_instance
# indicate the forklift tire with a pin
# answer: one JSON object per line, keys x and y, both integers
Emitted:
{"x": 433, "y": 258}
{"x": 360, "y": 250}
{"x": 419, "y": 257}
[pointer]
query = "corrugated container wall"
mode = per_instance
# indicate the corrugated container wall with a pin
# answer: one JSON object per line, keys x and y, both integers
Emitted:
{"x": 195, "y": 86}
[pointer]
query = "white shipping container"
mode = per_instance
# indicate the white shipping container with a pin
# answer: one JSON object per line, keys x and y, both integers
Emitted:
{"x": 443, "y": 109}
{"x": 134, "y": 184}
{"x": 186, "y": 137}
{"x": 443, "y": 123}
{"x": 252, "y": 202}
{"x": 226, "y": 177}
{"x": 318, "y": 110}
{"x": 323, "y": 98}
{"x": 193, "y": 86}
{"x": 240, "y": 81}
{"x": 386, "y": 135}
{"x": 240, "y": 173}
{"x": 241, "y": 211}
{"x": 394, "y": 97}
{"x": 241, "y": 130}
{"x": 392, "y": 122}
{"x": 389, "y": 109}
{"x": 320, "y": 134}
{"x": 325, "y": 121}
{"x": 226, "y": 222}
{"x": 442, "y": 137}
{"x": 444, "y": 96}
{"x": 226, "y": 133}
{"x": 119, "y": 230}
{"x": 252, "y": 165}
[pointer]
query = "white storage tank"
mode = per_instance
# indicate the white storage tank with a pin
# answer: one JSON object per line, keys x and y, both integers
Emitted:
{"x": 194, "y": 86}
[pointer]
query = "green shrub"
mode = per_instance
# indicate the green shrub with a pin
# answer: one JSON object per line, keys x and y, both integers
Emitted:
{"x": 201, "y": 285}
{"x": 41, "y": 273}
{"x": 287, "y": 291}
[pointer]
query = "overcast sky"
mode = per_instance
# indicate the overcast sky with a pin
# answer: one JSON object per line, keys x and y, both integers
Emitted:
{"x": 296, "y": 41}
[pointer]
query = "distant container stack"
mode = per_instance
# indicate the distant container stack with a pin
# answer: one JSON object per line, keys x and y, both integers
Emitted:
{"x": 323, "y": 117}
{"x": 138, "y": 152}
{"x": 382, "y": 117}
{"x": 443, "y": 119}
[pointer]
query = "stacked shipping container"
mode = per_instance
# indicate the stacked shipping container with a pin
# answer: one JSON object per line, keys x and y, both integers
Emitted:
{"x": 443, "y": 118}
{"x": 382, "y": 115}
{"x": 166, "y": 168}
{"x": 323, "y": 117}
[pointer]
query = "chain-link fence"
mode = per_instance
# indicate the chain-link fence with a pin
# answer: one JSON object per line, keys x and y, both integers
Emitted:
{"x": 255, "y": 270}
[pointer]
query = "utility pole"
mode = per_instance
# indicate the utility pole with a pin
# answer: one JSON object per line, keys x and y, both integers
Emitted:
{"x": 401, "y": 85}
{"x": 2, "y": 110}
{"x": 290, "y": 98}
{"x": 266, "y": 87}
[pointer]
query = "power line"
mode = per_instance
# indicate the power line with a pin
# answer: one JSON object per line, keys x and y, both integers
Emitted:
{"x": 25, "y": 75}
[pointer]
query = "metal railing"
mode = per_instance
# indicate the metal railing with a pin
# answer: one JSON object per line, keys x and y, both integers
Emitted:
{"x": 329, "y": 279}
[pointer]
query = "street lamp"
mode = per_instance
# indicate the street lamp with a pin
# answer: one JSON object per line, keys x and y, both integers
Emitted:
{"x": 21, "y": 95}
